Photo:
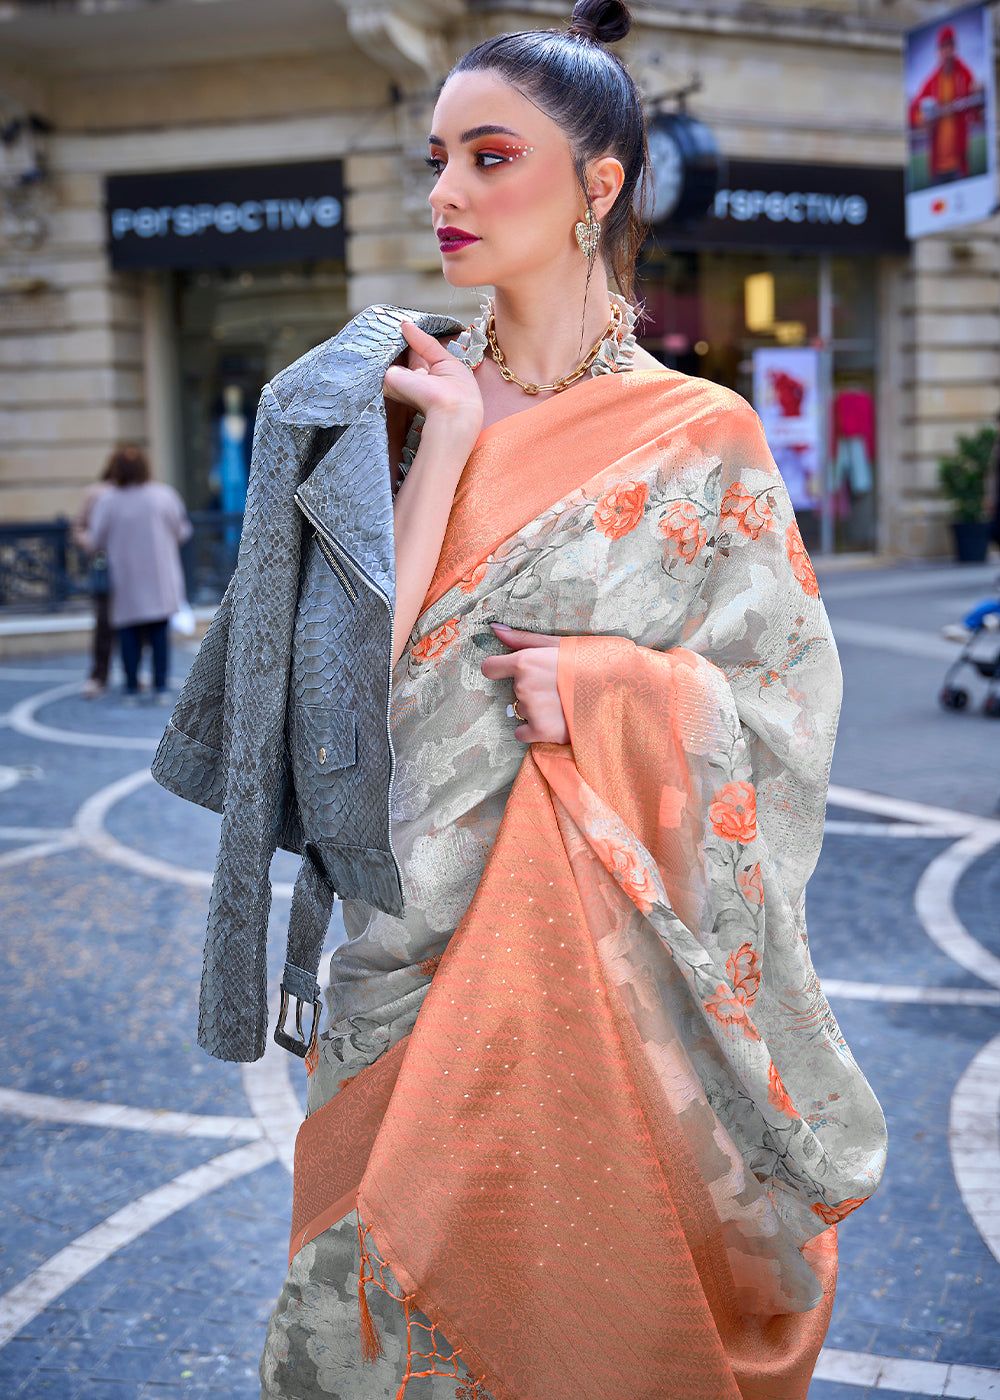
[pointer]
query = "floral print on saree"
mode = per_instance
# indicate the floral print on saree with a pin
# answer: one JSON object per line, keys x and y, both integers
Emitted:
{"x": 614, "y": 1092}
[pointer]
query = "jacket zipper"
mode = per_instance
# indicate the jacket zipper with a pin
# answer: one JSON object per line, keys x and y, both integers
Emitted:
{"x": 330, "y": 552}
{"x": 328, "y": 549}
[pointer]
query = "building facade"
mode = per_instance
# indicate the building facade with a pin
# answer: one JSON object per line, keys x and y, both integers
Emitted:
{"x": 192, "y": 194}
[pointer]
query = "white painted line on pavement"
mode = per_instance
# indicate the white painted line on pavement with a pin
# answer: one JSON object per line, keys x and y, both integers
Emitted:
{"x": 903, "y": 809}
{"x": 50, "y": 1109}
{"x": 897, "y": 1373}
{"x": 974, "y": 1142}
{"x": 933, "y": 901}
{"x": 35, "y": 851}
{"x": 20, "y": 1304}
{"x": 922, "y": 996}
{"x": 90, "y": 830}
{"x": 267, "y": 1084}
{"x": 836, "y": 827}
{"x": 22, "y": 718}
{"x": 36, "y": 833}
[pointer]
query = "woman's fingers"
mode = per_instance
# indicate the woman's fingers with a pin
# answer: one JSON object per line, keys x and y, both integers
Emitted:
{"x": 519, "y": 641}
{"x": 430, "y": 349}
{"x": 499, "y": 668}
{"x": 533, "y": 673}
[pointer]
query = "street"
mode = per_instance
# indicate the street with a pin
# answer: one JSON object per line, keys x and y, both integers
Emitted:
{"x": 146, "y": 1188}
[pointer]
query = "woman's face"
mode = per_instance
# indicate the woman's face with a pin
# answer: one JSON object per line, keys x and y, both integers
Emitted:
{"x": 504, "y": 176}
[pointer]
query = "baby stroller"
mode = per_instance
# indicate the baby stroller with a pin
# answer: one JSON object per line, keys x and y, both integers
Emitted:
{"x": 981, "y": 653}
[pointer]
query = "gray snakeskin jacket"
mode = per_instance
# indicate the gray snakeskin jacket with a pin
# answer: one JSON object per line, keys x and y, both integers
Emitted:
{"x": 282, "y": 723}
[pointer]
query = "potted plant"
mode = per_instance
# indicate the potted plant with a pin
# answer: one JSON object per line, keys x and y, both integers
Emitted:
{"x": 962, "y": 478}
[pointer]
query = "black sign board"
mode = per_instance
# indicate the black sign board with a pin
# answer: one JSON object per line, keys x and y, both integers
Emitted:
{"x": 798, "y": 208}
{"x": 227, "y": 218}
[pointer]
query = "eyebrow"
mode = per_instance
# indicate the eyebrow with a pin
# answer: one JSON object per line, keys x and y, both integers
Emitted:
{"x": 474, "y": 133}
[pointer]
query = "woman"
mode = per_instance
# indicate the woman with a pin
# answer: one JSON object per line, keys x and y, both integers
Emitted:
{"x": 605, "y": 1157}
{"x": 140, "y": 524}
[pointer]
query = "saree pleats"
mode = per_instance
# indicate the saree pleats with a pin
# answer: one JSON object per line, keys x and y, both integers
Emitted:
{"x": 593, "y": 1107}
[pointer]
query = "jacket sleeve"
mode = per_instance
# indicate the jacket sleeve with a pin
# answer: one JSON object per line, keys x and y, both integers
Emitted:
{"x": 254, "y": 781}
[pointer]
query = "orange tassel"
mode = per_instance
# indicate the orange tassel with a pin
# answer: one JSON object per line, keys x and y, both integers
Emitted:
{"x": 371, "y": 1343}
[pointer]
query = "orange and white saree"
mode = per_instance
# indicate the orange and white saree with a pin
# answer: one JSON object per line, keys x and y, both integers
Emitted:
{"x": 588, "y": 1100}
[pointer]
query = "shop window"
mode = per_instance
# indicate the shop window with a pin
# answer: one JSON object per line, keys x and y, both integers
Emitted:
{"x": 708, "y": 311}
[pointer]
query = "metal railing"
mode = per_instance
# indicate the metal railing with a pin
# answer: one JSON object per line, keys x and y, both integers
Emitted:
{"x": 43, "y": 571}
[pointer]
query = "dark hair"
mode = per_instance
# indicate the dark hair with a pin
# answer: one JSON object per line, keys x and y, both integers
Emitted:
{"x": 588, "y": 91}
{"x": 127, "y": 466}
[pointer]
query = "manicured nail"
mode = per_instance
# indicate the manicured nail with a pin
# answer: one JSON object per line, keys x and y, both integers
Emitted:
{"x": 501, "y": 627}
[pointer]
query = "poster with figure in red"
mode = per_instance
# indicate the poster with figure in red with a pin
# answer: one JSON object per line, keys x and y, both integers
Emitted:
{"x": 951, "y": 172}
{"x": 786, "y": 394}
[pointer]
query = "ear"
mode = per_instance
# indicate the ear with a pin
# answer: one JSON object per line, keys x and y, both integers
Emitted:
{"x": 605, "y": 177}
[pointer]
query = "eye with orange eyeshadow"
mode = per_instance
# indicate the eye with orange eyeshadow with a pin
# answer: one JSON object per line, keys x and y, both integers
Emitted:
{"x": 505, "y": 151}
{"x": 485, "y": 159}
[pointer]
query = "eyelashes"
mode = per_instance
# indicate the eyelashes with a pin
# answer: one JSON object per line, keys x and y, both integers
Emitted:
{"x": 485, "y": 160}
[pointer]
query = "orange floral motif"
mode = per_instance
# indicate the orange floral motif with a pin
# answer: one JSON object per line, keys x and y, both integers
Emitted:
{"x": 833, "y": 1215}
{"x": 799, "y": 560}
{"x": 436, "y": 642}
{"x": 733, "y": 812}
{"x": 633, "y": 877}
{"x": 683, "y": 531}
{"x": 778, "y": 1096}
{"x": 745, "y": 513}
{"x": 429, "y": 966}
{"x": 472, "y": 581}
{"x": 729, "y": 1009}
{"x": 312, "y": 1058}
{"x": 621, "y": 509}
{"x": 751, "y": 884}
{"x": 743, "y": 967}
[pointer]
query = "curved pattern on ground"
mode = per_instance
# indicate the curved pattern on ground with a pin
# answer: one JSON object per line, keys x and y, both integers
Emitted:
{"x": 973, "y": 1136}
{"x": 22, "y": 718}
{"x": 974, "y": 1142}
{"x": 88, "y": 824}
{"x": 20, "y": 1304}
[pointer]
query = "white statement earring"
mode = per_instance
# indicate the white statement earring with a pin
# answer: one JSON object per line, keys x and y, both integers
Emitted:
{"x": 588, "y": 235}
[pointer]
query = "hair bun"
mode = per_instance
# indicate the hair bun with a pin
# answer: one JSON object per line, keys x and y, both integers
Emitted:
{"x": 602, "y": 21}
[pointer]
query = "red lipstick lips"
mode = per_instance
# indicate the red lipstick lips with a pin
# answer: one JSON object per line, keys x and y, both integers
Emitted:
{"x": 454, "y": 239}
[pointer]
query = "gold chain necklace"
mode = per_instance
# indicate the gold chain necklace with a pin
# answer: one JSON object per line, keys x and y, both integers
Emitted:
{"x": 559, "y": 384}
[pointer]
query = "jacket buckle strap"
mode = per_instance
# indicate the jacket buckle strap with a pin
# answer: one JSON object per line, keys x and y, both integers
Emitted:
{"x": 297, "y": 1045}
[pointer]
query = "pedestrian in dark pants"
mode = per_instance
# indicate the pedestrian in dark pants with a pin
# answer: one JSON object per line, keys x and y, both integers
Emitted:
{"x": 140, "y": 525}
{"x": 97, "y": 682}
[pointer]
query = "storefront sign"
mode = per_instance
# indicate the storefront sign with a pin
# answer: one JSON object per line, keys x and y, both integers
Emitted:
{"x": 951, "y": 173}
{"x": 786, "y": 394}
{"x": 768, "y": 205}
{"x": 227, "y": 218}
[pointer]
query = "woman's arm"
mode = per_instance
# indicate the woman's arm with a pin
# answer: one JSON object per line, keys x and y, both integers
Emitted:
{"x": 445, "y": 391}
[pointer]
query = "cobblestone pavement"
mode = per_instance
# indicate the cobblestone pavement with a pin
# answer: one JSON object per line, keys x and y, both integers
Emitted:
{"x": 145, "y": 1189}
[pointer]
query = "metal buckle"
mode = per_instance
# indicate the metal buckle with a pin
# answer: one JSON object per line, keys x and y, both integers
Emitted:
{"x": 300, "y": 1046}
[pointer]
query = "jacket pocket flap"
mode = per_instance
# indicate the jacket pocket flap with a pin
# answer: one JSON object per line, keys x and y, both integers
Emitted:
{"x": 325, "y": 738}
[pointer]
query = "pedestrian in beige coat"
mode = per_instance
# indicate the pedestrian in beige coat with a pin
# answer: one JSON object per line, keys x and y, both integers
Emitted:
{"x": 140, "y": 525}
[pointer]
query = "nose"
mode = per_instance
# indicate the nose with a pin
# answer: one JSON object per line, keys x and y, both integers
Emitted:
{"x": 446, "y": 192}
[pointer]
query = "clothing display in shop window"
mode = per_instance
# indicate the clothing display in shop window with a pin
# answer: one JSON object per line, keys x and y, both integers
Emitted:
{"x": 854, "y": 440}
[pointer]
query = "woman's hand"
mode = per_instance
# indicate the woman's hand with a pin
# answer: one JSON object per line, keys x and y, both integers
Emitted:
{"x": 436, "y": 384}
{"x": 533, "y": 668}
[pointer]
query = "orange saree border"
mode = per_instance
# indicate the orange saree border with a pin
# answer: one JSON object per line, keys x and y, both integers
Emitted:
{"x": 332, "y": 1148}
{"x": 619, "y": 408}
